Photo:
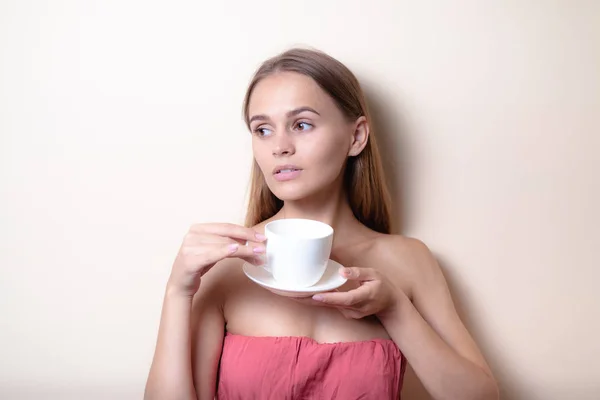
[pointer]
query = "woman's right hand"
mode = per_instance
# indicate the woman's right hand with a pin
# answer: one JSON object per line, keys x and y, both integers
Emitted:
{"x": 206, "y": 244}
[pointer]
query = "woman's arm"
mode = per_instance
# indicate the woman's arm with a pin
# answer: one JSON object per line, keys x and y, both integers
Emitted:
{"x": 429, "y": 332}
{"x": 189, "y": 342}
{"x": 170, "y": 375}
{"x": 192, "y": 318}
{"x": 208, "y": 329}
{"x": 432, "y": 337}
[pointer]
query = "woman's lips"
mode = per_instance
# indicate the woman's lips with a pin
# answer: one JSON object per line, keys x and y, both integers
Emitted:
{"x": 287, "y": 174}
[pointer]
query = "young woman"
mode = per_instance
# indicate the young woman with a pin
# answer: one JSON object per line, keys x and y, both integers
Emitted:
{"x": 316, "y": 157}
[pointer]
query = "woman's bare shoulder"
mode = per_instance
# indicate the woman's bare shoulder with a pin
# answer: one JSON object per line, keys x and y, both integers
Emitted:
{"x": 401, "y": 245}
{"x": 408, "y": 254}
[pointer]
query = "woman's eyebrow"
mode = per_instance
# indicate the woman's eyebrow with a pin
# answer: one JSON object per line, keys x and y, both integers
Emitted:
{"x": 259, "y": 117}
{"x": 301, "y": 110}
{"x": 296, "y": 111}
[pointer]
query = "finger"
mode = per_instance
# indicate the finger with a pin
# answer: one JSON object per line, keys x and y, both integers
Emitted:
{"x": 209, "y": 254}
{"x": 308, "y": 301}
{"x": 198, "y": 239}
{"x": 252, "y": 244}
{"x": 255, "y": 260}
{"x": 348, "y": 286}
{"x": 229, "y": 230}
{"x": 252, "y": 253}
{"x": 212, "y": 238}
{"x": 351, "y": 298}
{"x": 359, "y": 274}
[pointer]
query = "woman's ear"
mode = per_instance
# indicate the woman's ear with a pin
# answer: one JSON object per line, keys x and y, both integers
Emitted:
{"x": 360, "y": 136}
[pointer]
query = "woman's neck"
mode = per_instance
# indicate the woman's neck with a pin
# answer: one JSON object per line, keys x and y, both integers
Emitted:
{"x": 330, "y": 208}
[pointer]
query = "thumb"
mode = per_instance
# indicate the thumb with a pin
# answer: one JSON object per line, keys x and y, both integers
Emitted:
{"x": 358, "y": 274}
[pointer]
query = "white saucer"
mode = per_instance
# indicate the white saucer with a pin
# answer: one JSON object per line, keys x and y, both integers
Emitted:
{"x": 331, "y": 280}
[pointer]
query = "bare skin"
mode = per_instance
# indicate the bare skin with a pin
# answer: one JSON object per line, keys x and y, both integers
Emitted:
{"x": 396, "y": 289}
{"x": 253, "y": 311}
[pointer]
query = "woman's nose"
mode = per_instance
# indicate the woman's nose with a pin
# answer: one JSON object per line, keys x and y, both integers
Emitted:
{"x": 284, "y": 146}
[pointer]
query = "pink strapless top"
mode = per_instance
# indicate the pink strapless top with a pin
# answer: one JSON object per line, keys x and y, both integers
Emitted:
{"x": 300, "y": 368}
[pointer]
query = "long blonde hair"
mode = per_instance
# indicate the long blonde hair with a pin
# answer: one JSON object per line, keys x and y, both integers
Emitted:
{"x": 364, "y": 182}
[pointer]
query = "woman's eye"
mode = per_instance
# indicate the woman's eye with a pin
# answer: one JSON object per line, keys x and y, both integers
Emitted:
{"x": 303, "y": 126}
{"x": 262, "y": 132}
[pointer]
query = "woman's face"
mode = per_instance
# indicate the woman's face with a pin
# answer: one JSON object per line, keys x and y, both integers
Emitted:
{"x": 300, "y": 138}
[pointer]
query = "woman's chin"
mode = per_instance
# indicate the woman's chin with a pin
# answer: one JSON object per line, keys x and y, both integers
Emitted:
{"x": 301, "y": 191}
{"x": 291, "y": 194}
{"x": 290, "y": 197}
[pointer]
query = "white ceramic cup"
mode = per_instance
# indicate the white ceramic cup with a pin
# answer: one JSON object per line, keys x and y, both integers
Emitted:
{"x": 298, "y": 250}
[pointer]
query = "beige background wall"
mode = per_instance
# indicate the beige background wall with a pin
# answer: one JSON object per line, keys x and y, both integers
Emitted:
{"x": 119, "y": 120}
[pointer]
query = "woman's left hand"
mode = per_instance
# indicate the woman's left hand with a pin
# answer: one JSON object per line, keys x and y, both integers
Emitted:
{"x": 374, "y": 294}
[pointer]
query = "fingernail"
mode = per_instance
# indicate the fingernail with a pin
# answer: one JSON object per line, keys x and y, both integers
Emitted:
{"x": 233, "y": 247}
{"x": 259, "y": 249}
{"x": 317, "y": 297}
{"x": 260, "y": 237}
